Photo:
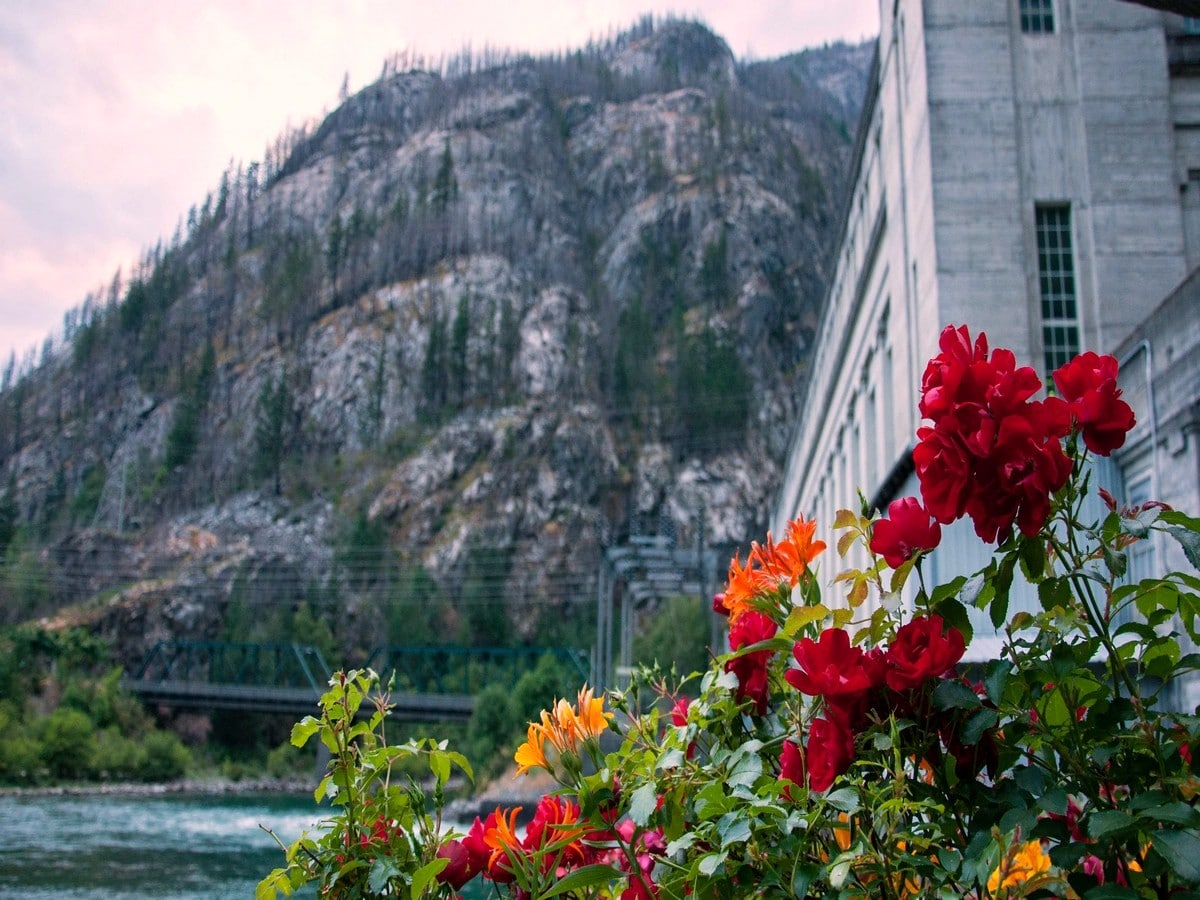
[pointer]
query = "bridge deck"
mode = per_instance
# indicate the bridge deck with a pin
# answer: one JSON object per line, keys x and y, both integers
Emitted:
{"x": 293, "y": 701}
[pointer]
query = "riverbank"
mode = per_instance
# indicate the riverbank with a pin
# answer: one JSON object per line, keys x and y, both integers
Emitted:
{"x": 215, "y": 786}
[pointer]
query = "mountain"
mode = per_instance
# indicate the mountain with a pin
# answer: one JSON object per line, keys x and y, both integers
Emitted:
{"x": 407, "y": 376}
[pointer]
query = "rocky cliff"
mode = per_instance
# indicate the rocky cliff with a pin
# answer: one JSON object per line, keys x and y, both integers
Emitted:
{"x": 407, "y": 376}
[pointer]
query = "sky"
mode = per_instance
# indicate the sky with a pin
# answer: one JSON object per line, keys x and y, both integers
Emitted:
{"x": 118, "y": 115}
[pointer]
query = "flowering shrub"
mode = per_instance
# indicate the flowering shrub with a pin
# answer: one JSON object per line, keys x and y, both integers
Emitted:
{"x": 843, "y": 749}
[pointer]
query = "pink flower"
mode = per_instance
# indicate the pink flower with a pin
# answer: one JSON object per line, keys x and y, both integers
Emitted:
{"x": 908, "y": 530}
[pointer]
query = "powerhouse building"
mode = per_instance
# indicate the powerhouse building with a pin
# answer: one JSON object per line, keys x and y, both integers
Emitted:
{"x": 1030, "y": 168}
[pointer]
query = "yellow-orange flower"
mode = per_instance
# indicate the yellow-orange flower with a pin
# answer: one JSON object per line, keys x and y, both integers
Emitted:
{"x": 592, "y": 720}
{"x": 790, "y": 558}
{"x": 532, "y": 753}
{"x": 564, "y": 726}
{"x": 1029, "y": 861}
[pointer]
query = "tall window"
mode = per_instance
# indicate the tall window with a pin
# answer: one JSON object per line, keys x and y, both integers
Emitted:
{"x": 1056, "y": 276}
{"x": 1037, "y": 16}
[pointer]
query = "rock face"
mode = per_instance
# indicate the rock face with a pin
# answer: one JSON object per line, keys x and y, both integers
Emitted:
{"x": 511, "y": 311}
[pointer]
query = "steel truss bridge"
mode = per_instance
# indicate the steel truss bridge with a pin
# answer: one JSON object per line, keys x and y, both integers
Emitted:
{"x": 435, "y": 683}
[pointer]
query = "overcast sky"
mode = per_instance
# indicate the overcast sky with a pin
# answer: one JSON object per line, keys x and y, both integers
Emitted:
{"x": 117, "y": 115}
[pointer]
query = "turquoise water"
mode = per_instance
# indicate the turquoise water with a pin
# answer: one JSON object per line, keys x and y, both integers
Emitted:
{"x": 105, "y": 847}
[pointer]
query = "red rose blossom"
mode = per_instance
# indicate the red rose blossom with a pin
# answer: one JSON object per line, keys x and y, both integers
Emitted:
{"x": 830, "y": 667}
{"x": 991, "y": 453}
{"x": 829, "y": 754}
{"x": 922, "y": 650}
{"x": 1089, "y": 385}
{"x": 907, "y": 530}
{"x": 459, "y": 870}
{"x": 751, "y": 668}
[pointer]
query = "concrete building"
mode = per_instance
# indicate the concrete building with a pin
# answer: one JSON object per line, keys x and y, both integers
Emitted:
{"x": 1030, "y": 168}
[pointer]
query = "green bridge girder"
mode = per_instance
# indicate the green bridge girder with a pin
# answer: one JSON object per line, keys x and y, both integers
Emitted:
{"x": 434, "y": 683}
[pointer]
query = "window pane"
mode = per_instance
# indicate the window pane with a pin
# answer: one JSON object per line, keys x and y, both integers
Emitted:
{"x": 1056, "y": 279}
{"x": 1037, "y": 16}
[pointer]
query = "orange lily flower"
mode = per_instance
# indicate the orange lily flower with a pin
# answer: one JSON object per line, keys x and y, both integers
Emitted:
{"x": 532, "y": 753}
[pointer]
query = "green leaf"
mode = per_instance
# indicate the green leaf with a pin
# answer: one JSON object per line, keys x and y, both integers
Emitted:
{"x": 1109, "y": 822}
{"x": 1001, "y": 583}
{"x": 954, "y": 614}
{"x": 439, "y": 765}
{"x": 951, "y": 694}
{"x": 803, "y": 615}
{"x": 581, "y": 878}
{"x": 1055, "y": 592}
{"x": 1190, "y": 542}
{"x": 303, "y": 730}
{"x": 710, "y": 863}
{"x": 733, "y": 828}
{"x": 1111, "y": 892}
{"x": 382, "y": 871}
{"x": 643, "y": 804}
{"x": 976, "y": 725}
{"x": 683, "y": 842}
{"x": 426, "y": 874}
{"x": 1033, "y": 558}
{"x": 803, "y": 877}
{"x": 995, "y": 678}
{"x": 1176, "y": 813}
{"x": 845, "y": 799}
{"x": 746, "y": 771}
{"x": 1181, "y": 850}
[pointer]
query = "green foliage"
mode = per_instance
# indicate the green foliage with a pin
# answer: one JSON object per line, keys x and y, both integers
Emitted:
{"x": 25, "y": 587}
{"x": 484, "y": 598}
{"x": 272, "y": 430}
{"x": 492, "y": 727}
{"x": 383, "y": 839}
{"x": 417, "y": 612}
{"x": 445, "y": 184}
{"x": 184, "y": 434}
{"x": 166, "y": 757}
{"x": 286, "y": 761}
{"x": 87, "y": 498}
{"x": 538, "y": 688}
{"x": 8, "y": 520}
{"x": 460, "y": 330}
{"x": 68, "y": 743}
{"x": 117, "y": 757}
{"x": 434, "y": 395}
{"x": 677, "y": 637}
{"x": 20, "y": 750}
{"x": 713, "y": 390}
{"x": 635, "y": 378}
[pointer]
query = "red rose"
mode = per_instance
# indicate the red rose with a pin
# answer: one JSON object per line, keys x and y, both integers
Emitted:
{"x": 991, "y": 453}
{"x": 459, "y": 870}
{"x": 829, "y": 754}
{"x": 907, "y": 530}
{"x": 922, "y": 651}
{"x": 1089, "y": 385}
{"x": 751, "y": 668}
{"x": 830, "y": 667}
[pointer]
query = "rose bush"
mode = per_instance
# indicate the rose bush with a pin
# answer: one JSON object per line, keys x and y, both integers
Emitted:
{"x": 842, "y": 748}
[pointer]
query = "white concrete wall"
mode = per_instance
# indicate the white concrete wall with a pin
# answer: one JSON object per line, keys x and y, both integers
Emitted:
{"x": 973, "y": 123}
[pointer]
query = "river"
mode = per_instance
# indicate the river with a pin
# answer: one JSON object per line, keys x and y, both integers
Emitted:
{"x": 183, "y": 847}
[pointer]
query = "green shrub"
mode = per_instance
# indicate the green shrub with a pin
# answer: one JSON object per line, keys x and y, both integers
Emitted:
{"x": 20, "y": 752}
{"x": 286, "y": 760}
{"x": 68, "y": 743}
{"x": 117, "y": 757}
{"x": 492, "y": 726}
{"x": 678, "y": 636}
{"x": 166, "y": 757}
{"x": 538, "y": 688}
